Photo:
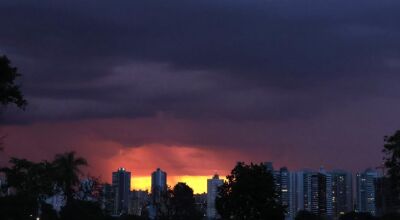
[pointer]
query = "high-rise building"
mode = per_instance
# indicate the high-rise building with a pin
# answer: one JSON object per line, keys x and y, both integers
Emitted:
{"x": 285, "y": 186}
{"x": 284, "y": 177}
{"x": 366, "y": 191}
{"x": 158, "y": 185}
{"x": 298, "y": 190}
{"x": 342, "y": 192}
{"x": 200, "y": 201}
{"x": 212, "y": 191}
{"x": 317, "y": 193}
{"x": 326, "y": 194}
{"x": 287, "y": 190}
{"x": 328, "y": 191}
{"x": 121, "y": 182}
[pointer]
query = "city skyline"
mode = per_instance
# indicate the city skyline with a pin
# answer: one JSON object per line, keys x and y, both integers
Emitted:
{"x": 329, "y": 193}
{"x": 199, "y": 183}
{"x": 193, "y": 87}
{"x": 201, "y": 110}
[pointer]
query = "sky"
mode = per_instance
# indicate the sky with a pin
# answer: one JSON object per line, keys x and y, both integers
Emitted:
{"x": 192, "y": 87}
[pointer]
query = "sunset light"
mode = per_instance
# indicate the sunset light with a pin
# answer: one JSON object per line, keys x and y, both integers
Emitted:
{"x": 200, "y": 110}
{"x": 197, "y": 183}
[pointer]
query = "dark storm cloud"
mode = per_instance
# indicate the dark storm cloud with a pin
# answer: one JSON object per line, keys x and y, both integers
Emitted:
{"x": 234, "y": 59}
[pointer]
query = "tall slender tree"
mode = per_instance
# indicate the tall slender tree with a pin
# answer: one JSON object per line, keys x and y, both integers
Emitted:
{"x": 68, "y": 166}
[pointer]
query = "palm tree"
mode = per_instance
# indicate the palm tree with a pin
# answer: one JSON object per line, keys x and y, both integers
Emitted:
{"x": 68, "y": 166}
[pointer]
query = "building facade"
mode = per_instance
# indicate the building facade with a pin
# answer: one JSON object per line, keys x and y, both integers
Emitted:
{"x": 212, "y": 192}
{"x": 121, "y": 183}
{"x": 342, "y": 192}
{"x": 158, "y": 185}
{"x": 366, "y": 191}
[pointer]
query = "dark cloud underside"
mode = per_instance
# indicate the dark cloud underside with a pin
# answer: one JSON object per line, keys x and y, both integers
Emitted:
{"x": 281, "y": 59}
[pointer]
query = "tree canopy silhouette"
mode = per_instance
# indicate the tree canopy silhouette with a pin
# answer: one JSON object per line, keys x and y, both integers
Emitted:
{"x": 69, "y": 166}
{"x": 29, "y": 178}
{"x": 30, "y": 183}
{"x": 392, "y": 161}
{"x": 183, "y": 203}
{"x": 249, "y": 193}
{"x": 306, "y": 215}
{"x": 357, "y": 216}
{"x": 10, "y": 92}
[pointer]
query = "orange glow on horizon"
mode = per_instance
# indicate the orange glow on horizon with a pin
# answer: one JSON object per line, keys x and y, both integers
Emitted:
{"x": 197, "y": 183}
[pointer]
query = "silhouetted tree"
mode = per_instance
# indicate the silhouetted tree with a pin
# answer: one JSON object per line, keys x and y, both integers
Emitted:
{"x": 48, "y": 213}
{"x": 132, "y": 217}
{"x": 82, "y": 210}
{"x": 306, "y": 215}
{"x": 31, "y": 182}
{"x": 17, "y": 207}
{"x": 164, "y": 207}
{"x": 392, "y": 162}
{"x": 391, "y": 216}
{"x": 68, "y": 167}
{"x": 10, "y": 93}
{"x": 29, "y": 178}
{"x": 249, "y": 193}
{"x": 357, "y": 216}
{"x": 183, "y": 203}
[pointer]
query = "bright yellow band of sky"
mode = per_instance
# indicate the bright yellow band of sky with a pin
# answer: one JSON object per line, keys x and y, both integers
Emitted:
{"x": 197, "y": 183}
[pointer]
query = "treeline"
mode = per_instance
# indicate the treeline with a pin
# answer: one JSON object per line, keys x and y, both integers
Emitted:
{"x": 248, "y": 193}
{"x": 29, "y": 186}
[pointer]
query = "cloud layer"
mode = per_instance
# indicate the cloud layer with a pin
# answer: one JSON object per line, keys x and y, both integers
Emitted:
{"x": 299, "y": 82}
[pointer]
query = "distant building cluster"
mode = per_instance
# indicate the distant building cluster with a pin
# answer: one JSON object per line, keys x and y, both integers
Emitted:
{"x": 325, "y": 193}
{"x": 329, "y": 193}
{"x": 118, "y": 199}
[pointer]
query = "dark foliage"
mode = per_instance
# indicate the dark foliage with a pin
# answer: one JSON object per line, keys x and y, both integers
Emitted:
{"x": 48, "y": 213}
{"x": 249, "y": 193}
{"x": 306, "y": 215}
{"x": 183, "y": 203}
{"x": 9, "y": 92}
{"x": 392, "y": 162}
{"x": 31, "y": 183}
{"x": 357, "y": 216}
{"x": 131, "y": 217}
{"x": 82, "y": 210}
{"x": 17, "y": 208}
{"x": 68, "y": 167}
{"x": 30, "y": 179}
{"x": 391, "y": 216}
